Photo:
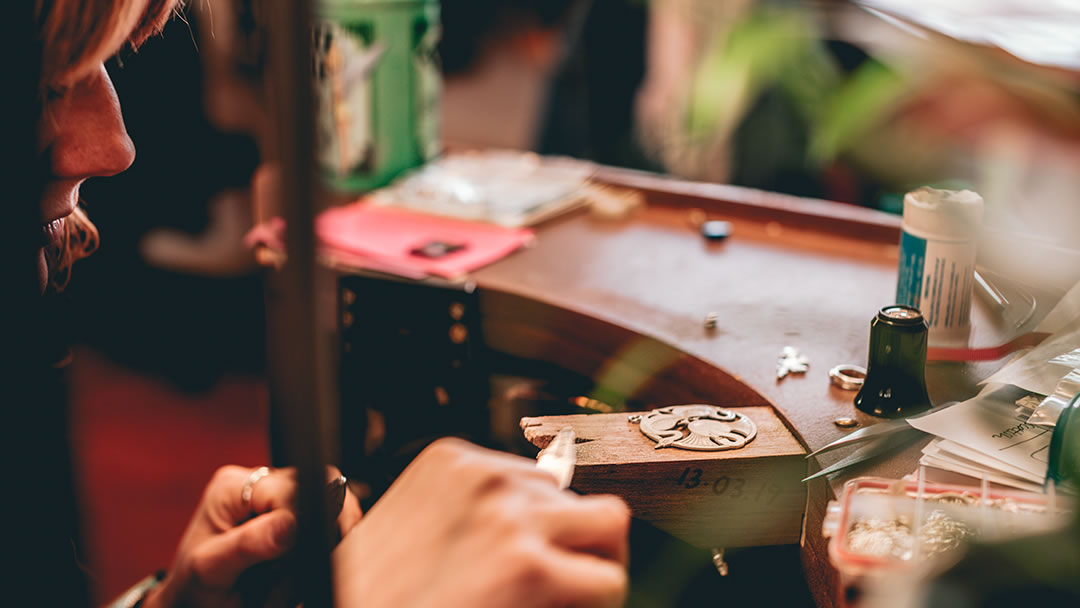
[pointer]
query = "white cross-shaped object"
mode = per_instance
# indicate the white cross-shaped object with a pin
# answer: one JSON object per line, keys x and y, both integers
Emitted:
{"x": 791, "y": 361}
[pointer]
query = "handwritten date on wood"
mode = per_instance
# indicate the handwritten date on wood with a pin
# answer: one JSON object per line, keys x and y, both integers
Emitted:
{"x": 732, "y": 487}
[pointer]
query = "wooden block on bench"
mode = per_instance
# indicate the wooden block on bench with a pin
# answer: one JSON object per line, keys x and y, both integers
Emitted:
{"x": 735, "y": 498}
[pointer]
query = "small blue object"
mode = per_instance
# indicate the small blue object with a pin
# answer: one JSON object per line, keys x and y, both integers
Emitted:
{"x": 716, "y": 230}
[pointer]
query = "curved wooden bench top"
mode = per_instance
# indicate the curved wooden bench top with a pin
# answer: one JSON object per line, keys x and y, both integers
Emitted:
{"x": 799, "y": 272}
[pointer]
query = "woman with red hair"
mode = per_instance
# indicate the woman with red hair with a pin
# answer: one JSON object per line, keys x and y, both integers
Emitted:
{"x": 462, "y": 526}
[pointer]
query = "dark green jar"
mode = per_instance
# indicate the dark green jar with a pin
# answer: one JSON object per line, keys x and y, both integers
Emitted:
{"x": 895, "y": 384}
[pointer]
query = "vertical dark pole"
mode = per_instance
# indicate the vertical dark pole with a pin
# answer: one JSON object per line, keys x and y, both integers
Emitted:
{"x": 300, "y": 370}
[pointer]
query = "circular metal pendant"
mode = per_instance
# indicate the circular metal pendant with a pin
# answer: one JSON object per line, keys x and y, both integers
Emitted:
{"x": 704, "y": 428}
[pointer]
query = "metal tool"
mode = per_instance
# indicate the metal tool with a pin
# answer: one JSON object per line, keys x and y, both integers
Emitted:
{"x": 791, "y": 361}
{"x": 895, "y": 383}
{"x": 991, "y": 291}
{"x": 560, "y": 457}
{"x": 718, "y": 561}
{"x": 895, "y": 439}
{"x": 875, "y": 431}
{"x": 880, "y": 438}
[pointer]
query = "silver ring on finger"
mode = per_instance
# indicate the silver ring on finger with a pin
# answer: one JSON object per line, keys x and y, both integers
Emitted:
{"x": 249, "y": 484}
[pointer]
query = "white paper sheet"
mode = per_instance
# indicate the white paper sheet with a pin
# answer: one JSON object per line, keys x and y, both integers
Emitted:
{"x": 987, "y": 423}
{"x": 978, "y": 474}
{"x": 945, "y": 448}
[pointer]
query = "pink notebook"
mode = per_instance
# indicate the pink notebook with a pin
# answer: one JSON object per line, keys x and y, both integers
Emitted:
{"x": 396, "y": 238}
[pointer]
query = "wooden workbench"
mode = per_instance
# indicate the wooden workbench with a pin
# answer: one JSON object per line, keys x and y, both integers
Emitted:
{"x": 624, "y": 302}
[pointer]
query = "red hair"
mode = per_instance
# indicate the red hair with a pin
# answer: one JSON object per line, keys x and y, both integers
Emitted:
{"x": 73, "y": 32}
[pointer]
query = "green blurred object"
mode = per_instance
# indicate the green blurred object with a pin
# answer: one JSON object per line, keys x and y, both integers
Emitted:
{"x": 769, "y": 45}
{"x": 784, "y": 47}
{"x": 1064, "y": 465}
{"x": 891, "y": 202}
{"x": 379, "y": 88}
{"x": 853, "y": 108}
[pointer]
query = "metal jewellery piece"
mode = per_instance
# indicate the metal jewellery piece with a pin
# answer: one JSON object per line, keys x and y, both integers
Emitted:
{"x": 704, "y": 428}
{"x": 710, "y": 320}
{"x": 718, "y": 561}
{"x": 791, "y": 361}
{"x": 845, "y": 422}
{"x": 249, "y": 484}
{"x": 895, "y": 538}
{"x": 848, "y": 377}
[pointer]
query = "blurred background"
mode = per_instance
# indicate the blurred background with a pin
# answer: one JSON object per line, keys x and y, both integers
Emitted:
{"x": 856, "y": 102}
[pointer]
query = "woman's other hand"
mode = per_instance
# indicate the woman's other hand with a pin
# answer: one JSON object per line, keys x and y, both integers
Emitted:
{"x": 466, "y": 526}
{"x": 228, "y": 536}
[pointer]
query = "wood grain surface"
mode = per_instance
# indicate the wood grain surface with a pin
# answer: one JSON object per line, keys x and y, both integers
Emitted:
{"x": 734, "y": 498}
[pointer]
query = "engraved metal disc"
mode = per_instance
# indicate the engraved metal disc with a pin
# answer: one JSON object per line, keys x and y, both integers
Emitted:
{"x": 704, "y": 428}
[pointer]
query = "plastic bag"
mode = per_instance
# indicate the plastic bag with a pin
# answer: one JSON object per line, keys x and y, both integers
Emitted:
{"x": 1050, "y": 409}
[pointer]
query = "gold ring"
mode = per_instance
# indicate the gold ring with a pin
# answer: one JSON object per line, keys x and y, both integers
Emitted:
{"x": 249, "y": 484}
{"x": 848, "y": 377}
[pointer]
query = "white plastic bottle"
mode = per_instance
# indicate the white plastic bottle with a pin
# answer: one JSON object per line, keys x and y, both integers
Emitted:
{"x": 937, "y": 260}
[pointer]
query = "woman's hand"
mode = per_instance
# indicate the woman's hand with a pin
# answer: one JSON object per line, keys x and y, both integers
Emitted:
{"x": 465, "y": 526}
{"x": 227, "y": 536}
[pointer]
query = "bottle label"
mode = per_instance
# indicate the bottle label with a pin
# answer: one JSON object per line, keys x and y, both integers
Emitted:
{"x": 427, "y": 85}
{"x": 936, "y": 277}
{"x": 344, "y": 61}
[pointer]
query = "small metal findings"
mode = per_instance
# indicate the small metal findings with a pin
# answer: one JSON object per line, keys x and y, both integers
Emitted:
{"x": 634, "y": 418}
{"x": 457, "y": 311}
{"x": 348, "y": 296}
{"x": 697, "y": 217}
{"x": 848, "y": 377}
{"x": 710, "y": 320}
{"x": 441, "y": 396}
{"x": 716, "y": 230}
{"x": 346, "y": 319}
{"x": 458, "y": 333}
{"x": 718, "y": 561}
{"x": 845, "y": 422}
{"x": 791, "y": 361}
